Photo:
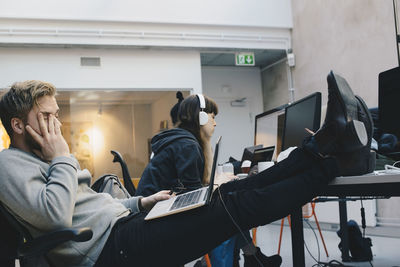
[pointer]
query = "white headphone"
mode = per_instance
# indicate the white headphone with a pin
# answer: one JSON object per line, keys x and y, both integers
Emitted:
{"x": 203, "y": 116}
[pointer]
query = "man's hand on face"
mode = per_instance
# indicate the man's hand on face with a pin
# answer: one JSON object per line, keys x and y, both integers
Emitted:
{"x": 50, "y": 139}
{"x": 149, "y": 202}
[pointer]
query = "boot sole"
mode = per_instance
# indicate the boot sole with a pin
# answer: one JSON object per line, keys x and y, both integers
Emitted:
{"x": 345, "y": 92}
{"x": 355, "y": 137}
{"x": 369, "y": 117}
{"x": 361, "y": 132}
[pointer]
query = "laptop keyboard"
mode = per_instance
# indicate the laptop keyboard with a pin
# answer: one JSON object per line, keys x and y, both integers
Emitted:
{"x": 186, "y": 199}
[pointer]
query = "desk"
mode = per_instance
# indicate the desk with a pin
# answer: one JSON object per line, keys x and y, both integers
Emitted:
{"x": 387, "y": 185}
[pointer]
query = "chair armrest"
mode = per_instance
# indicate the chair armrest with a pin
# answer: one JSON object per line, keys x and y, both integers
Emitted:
{"x": 42, "y": 244}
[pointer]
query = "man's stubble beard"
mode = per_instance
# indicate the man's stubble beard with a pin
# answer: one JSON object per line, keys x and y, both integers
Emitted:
{"x": 32, "y": 144}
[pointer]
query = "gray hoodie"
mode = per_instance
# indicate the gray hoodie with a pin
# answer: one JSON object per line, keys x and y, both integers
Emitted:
{"x": 45, "y": 197}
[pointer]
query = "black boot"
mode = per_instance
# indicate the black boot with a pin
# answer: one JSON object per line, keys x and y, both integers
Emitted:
{"x": 362, "y": 160}
{"x": 261, "y": 260}
{"x": 347, "y": 130}
{"x": 342, "y": 130}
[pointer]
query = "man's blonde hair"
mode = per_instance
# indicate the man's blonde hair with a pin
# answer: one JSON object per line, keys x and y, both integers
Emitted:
{"x": 19, "y": 99}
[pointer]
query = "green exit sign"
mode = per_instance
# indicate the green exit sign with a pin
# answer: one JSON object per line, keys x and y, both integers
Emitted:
{"x": 244, "y": 59}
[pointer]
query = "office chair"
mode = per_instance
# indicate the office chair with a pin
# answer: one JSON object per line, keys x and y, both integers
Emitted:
{"x": 125, "y": 172}
{"x": 17, "y": 243}
{"x": 305, "y": 215}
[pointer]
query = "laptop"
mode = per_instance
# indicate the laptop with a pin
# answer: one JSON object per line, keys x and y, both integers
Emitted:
{"x": 263, "y": 154}
{"x": 187, "y": 201}
{"x": 249, "y": 151}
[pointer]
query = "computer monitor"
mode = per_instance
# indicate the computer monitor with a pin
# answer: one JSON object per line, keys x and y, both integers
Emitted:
{"x": 388, "y": 101}
{"x": 269, "y": 126}
{"x": 262, "y": 154}
{"x": 304, "y": 113}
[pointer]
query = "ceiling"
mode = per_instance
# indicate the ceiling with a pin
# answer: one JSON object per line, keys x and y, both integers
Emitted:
{"x": 263, "y": 58}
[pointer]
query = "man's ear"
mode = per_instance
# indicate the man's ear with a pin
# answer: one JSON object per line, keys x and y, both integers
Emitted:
{"x": 17, "y": 125}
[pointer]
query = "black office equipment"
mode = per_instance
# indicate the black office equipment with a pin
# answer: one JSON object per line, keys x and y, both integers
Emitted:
{"x": 389, "y": 101}
{"x": 263, "y": 154}
{"x": 396, "y": 26}
{"x": 258, "y": 153}
{"x": 304, "y": 113}
{"x": 249, "y": 151}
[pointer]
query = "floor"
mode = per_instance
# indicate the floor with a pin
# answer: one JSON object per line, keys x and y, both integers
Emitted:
{"x": 386, "y": 250}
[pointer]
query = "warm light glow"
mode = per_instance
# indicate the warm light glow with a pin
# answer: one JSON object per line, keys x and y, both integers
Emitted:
{"x": 96, "y": 139}
{"x": 4, "y": 139}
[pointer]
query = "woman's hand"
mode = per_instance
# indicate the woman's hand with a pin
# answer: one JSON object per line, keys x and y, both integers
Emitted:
{"x": 149, "y": 202}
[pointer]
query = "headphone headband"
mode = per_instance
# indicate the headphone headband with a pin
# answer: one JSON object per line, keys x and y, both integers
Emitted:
{"x": 203, "y": 116}
{"x": 202, "y": 101}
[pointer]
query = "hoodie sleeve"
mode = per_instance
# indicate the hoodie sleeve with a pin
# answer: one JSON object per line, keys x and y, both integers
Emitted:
{"x": 46, "y": 200}
{"x": 189, "y": 163}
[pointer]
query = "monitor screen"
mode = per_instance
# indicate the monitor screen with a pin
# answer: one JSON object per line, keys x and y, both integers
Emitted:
{"x": 268, "y": 127}
{"x": 304, "y": 113}
{"x": 389, "y": 95}
{"x": 263, "y": 154}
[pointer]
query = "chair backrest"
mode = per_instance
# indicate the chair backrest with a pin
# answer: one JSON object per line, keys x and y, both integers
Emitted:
{"x": 130, "y": 187}
{"x": 9, "y": 241}
{"x": 13, "y": 235}
{"x": 14, "y": 223}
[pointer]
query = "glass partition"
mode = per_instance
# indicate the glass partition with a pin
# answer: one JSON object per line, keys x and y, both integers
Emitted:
{"x": 96, "y": 122}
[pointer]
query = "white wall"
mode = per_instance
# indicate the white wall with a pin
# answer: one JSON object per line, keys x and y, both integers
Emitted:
{"x": 235, "y": 124}
{"x": 275, "y": 85}
{"x": 139, "y": 69}
{"x": 270, "y": 13}
{"x": 354, "y": 38}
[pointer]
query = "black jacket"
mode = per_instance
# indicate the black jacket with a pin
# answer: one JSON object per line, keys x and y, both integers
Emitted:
{"x": 178, "y": 160}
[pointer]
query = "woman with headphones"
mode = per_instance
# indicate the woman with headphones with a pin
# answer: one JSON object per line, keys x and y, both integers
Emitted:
{"x": 182, "y": 156}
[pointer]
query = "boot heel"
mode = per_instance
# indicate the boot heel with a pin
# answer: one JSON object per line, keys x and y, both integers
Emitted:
{"x": 372, "y": 161}
{"x": 358, "y": 137}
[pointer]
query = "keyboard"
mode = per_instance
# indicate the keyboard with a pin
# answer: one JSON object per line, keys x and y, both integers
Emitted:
{"x": 186, "y": 199}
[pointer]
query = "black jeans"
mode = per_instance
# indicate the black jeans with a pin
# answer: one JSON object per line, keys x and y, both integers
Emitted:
{"x": 177, "y": 239}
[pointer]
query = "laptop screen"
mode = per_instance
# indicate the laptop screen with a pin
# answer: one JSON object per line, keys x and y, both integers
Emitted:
{"x": 249, "y": 151}
{"x": 263, "y": 154}
{"x": 213, "y": 169}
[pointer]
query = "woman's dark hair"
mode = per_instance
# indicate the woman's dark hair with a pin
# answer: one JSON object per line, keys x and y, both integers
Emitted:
{"x": 188, "y": 114}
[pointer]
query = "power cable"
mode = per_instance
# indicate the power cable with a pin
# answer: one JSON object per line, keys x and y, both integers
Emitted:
{"x": 236, "y": 225}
